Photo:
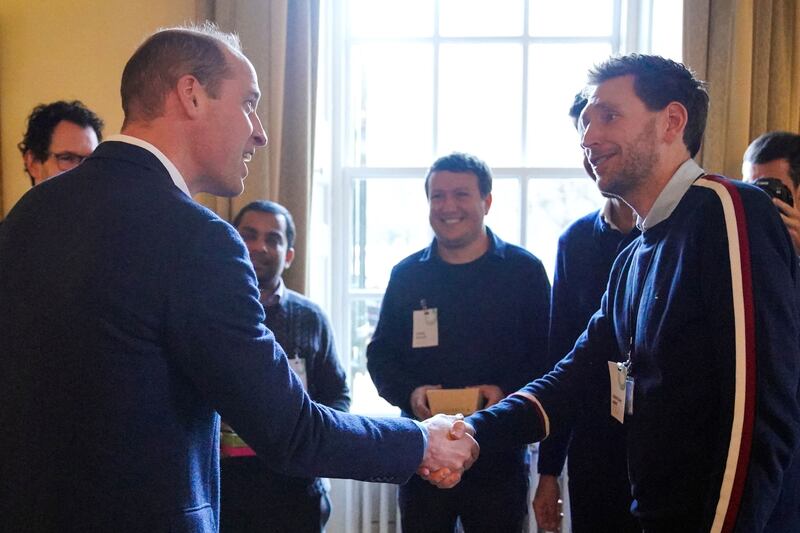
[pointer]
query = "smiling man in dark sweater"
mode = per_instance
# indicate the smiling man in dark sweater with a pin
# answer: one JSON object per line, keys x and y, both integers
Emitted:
{"x": 482, "y": 305}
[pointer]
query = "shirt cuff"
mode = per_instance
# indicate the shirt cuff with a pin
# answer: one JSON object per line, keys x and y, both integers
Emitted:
{"x": 424, "y": 432}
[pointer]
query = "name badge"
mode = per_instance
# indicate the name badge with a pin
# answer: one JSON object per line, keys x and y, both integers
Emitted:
{"x": 298, "y": 364}
{"x": 618, "y": 376}
{"x": 426, "y": 328}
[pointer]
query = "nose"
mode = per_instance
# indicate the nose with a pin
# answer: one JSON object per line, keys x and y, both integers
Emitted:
{"x": 259, "y": 135}
{"x": 588, "y": 135}
{"x": 447, "y": 203}
{"x": 259, "y": 251}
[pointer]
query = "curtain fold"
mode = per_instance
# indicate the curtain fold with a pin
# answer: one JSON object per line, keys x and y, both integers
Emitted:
{"x": 281, "y": 38}
{"x": 749, "y": 53}
{"x": 2, "y": 209}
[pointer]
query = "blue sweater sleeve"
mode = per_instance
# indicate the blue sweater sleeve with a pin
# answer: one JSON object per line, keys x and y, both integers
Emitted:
{"x": 776, "y": 424}
{"x": 518, "y": 420}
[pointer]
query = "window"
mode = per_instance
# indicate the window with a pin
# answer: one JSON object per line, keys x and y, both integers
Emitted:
{"x": 405, "y": 81}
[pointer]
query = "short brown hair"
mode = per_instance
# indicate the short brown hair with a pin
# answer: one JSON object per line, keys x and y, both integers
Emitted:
{"x": 462, "y": 162}
{"x": 657, "y": 82}
{"x": 155, "y": 67}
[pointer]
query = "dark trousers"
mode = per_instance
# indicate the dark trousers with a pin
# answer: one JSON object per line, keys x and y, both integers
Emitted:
{"x": 496, "y": 506}
{"x": 252, "y": 501}
{"x": 601, "y": 503}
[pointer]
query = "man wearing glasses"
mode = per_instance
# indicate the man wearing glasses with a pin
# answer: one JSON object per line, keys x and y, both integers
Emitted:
{"x": 60, "y": 136}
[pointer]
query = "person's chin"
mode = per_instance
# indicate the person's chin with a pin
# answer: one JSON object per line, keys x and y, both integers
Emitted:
{"x": 234, "y": 187}
{"x": 451, "y": 241}
{"x": 605, "y": 183}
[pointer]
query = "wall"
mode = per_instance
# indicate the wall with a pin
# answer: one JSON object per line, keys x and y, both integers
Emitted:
{"x": 64, "y": 50}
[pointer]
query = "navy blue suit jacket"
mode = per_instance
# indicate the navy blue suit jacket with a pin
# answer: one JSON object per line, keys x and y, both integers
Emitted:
{"x": 129, "y": 314}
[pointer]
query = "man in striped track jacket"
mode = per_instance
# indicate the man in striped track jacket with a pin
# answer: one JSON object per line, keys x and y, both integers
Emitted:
{"x": 701, "y": 310}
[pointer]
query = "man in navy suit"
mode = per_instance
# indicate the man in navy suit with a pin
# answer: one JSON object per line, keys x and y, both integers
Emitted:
{"x": 129, "y": 317}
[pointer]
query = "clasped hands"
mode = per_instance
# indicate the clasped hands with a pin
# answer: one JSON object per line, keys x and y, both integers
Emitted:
{"x": 451, "y": 450}
{"x": 451, "y": 445}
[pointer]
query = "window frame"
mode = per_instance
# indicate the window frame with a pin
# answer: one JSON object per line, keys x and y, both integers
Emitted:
{"x": 334, "y": 179}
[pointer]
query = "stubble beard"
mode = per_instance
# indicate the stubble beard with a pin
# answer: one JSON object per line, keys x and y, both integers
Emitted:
{"x": 637, "y": 167}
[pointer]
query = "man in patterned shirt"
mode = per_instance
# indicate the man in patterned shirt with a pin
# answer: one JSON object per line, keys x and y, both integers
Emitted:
{"x": 254, "y": 498}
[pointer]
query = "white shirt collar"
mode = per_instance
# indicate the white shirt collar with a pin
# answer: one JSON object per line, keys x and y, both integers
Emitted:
{"x": 174, "y": 173}
{"x": 276, "y": 297}
{"x": 672, "y": 193}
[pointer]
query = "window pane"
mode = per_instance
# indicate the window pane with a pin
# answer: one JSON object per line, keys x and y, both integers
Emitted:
{"x": 553, "y": 204}
{"x": 504, "y": 215}
{"x": 391, "y": 18}
{"x": 363, "y": 319}
{"x": 480, "y": 101}
{"x": 666, "y": 40}
{"x": 391, "y": 105}
{"x": 586, "y": 18}
{"x": 479, "y": 18}
{"x": 557, "y": 72}
{"x": 390, "y": 222}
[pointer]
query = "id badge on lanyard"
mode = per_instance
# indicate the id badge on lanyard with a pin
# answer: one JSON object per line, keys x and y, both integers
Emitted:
{"x": 425, "y": 327}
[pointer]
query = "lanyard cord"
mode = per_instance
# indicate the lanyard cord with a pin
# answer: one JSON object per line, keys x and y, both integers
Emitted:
{"x": 633, "y": 314}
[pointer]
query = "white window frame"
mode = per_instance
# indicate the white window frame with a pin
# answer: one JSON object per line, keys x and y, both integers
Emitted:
{"x": 334, "y": 197}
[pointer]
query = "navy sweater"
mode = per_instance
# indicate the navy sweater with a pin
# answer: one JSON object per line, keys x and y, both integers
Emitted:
{"x": 715, "y": 359}
{"x": 493, "y": 317}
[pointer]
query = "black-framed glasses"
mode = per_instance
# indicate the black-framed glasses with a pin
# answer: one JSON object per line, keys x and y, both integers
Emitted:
{"x": 68, "y": 160}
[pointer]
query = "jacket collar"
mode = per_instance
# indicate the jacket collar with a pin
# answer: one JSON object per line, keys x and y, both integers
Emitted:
{"x": 164, "y": 161}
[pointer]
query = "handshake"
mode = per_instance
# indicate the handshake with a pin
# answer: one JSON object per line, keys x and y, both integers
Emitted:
{"x": 451, "y": 450}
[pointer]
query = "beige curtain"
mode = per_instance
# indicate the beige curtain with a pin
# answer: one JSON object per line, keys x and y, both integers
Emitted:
{"x": 749, "y": 53}
{"x": 2, "y": 209}
{"x": 280, "y": 37}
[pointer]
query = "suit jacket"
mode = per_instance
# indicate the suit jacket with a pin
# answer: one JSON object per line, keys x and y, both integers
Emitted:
{"x": 129, "y": 314}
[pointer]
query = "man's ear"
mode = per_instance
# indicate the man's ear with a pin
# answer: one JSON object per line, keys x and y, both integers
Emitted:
{"x": 487, "y": 202}
{"x": 33, "y": 166}
{"x": 676, "y": 119}
{"x": 191, "y": 95}
{"x": 289, "y": 257}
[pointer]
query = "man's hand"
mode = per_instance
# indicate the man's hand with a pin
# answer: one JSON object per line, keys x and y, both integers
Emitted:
{"x": 451, "y": 450}
{"x": 419, "y": 401}
{"x": 791, "y": 218}
{"x": 547, "y": 503}
{"x": 492, "y": 394}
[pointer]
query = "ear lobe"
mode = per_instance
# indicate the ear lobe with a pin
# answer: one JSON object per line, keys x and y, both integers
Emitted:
{"x": 289, "y": 257}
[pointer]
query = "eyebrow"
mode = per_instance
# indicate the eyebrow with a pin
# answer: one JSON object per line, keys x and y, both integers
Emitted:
{"x": 602, "y": 106}
{"x": 251, "y": 229}
{"x": 458, "y": 188}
